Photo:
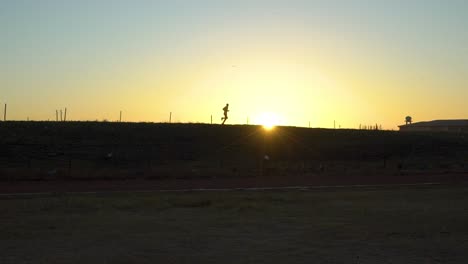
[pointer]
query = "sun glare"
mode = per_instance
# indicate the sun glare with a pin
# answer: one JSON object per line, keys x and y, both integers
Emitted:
{"x": 268, "y": 127}
{"x": 268, "y": 121}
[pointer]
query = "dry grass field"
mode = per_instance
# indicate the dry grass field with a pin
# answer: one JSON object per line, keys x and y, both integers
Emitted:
{"x": 364, "y": 225}
{"x": 49, "y": 151}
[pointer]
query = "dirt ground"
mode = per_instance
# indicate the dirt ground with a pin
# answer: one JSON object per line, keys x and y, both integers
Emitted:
{"x": 343, "y": 225}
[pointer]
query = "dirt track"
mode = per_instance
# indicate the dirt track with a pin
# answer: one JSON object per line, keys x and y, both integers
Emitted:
{"x": 257, "y": 182}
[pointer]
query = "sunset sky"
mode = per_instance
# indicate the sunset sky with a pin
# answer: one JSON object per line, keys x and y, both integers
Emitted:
{"x": 356, "y": 62}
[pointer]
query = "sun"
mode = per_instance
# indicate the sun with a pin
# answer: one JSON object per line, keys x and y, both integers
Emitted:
{"x": 268, "y": 126}
{"x": 268, "y": 120}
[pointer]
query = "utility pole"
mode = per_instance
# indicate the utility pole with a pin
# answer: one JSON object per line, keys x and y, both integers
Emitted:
{"x": 120, "y": 118}
{"x": 4, "y": 113}
{"x": 65, "y": 115}
{"x": 170, "y": 117}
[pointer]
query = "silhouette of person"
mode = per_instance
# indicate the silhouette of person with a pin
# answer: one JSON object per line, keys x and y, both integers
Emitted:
{"x": 226, "y": 110}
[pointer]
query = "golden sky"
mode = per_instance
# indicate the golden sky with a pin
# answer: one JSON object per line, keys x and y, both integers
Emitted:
{"x": 295, "y": 62}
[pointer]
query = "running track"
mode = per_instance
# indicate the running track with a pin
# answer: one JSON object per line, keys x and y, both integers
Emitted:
{"x": 254, "y": 183}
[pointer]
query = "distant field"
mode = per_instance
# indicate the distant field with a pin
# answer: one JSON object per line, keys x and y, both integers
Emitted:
{"x": 50, "y": 151}
{"x": 386, "y": 225}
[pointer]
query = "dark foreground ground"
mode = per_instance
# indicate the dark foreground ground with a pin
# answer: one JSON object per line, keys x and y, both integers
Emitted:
{"x": 312, "y": 181}
{"x": 80, "y": 151}
{"x": 346, "y": 225}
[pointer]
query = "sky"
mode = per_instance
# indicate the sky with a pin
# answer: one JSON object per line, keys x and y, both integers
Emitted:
{"x": 294, "y": 62}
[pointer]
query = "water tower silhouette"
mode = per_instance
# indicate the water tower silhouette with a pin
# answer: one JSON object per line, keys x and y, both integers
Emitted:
{"x": 408, "y": 120}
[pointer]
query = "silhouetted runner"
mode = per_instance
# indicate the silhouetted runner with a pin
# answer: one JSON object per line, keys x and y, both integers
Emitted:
{"x": 226, "y": 110}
